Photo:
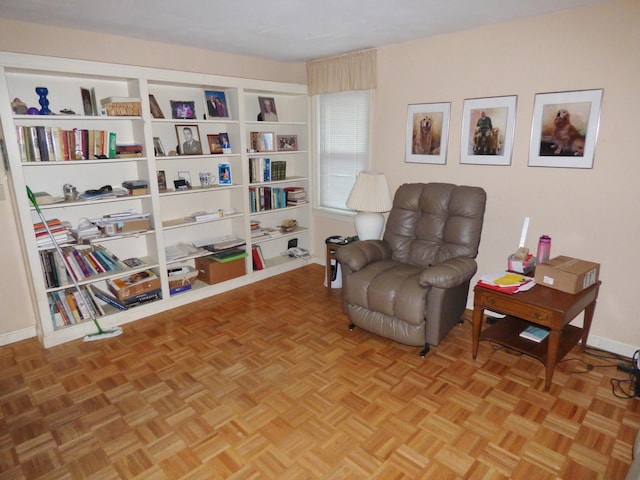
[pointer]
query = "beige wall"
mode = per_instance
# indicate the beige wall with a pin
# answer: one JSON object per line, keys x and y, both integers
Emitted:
{"x": 590, "y": 214}
{"x": 17, "y": 317}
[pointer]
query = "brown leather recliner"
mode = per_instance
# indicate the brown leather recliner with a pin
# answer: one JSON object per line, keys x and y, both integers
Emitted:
{"x": 412, "y": 285}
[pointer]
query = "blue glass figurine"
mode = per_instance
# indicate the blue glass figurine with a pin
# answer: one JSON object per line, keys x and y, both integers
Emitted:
{"x": 44, "y": 102}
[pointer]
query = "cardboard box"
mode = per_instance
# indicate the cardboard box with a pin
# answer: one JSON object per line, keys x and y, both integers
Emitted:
{"x": 567, "y": 274}
{"x": 135, "y": 225}
{"x": 135, "y": 284}
{"x": 213, "y": 271}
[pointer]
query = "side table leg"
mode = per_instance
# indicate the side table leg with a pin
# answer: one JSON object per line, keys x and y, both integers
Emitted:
{"x": 586, "y": 324}
{"x": 552, "y": 357}
{"x": 477, "y": 326}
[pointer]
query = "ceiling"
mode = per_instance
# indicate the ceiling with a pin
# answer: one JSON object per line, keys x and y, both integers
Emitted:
{"x": 284, "y": 30}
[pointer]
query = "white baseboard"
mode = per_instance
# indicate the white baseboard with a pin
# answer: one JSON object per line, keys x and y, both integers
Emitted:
{"x": 17, "y": 335}
{"x": 612, "y": 346}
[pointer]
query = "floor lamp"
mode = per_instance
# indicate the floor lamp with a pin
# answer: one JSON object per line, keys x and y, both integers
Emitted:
{"x": 369, "y": 197}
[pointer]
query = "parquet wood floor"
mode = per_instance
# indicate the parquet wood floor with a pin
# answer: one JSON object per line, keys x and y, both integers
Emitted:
{"x": 267, "y": 382}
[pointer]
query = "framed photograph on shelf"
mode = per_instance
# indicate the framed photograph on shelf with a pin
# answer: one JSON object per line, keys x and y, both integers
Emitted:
{"x": 155, "y": 108}
{"x": 224, "y": 174}
{"x": 188, "y": 140}
{"x": 215, "y": 146}
{"x": 216, "y": 104}
{"x": 268, "y": 111}
{"x": 254, "y": 141}
{"x": 488, "y": 126}
{"x": 287, "y": 143}
{"x": 158, "y": 147}
{"x": 266, "y": 142}
{"x": 427, "y": 133}
{"x": 225, "y": 143}
{"x": 162, "y": 180}
{"x": 565, "y": 129}
{"x": 186, "y": 176}
{"x": 183, "y": 110}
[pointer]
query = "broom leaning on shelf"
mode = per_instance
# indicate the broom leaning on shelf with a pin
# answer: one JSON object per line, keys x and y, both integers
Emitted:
{"x": 101, "y": 333}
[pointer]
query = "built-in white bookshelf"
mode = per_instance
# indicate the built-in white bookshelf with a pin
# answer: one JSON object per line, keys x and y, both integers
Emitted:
{"x": 160, "y": 136}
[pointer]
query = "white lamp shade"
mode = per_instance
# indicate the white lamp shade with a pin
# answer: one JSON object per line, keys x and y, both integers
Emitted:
{"x": 369, "y": 197}
{"x": 370, "y": 193}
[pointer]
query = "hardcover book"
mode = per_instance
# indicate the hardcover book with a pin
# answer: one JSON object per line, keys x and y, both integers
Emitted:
{"x": 533, "y": 333}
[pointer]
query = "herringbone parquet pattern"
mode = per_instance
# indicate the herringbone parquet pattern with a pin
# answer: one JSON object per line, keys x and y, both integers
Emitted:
{"x": 267, "y": 382}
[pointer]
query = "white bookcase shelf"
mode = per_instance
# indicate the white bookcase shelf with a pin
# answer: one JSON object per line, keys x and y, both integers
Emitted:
{"x": 169, "y": 209}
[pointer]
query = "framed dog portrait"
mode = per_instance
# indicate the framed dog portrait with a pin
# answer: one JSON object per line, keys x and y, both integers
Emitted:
{"x": 427, "y": 133}
{"x": 287, "y": 143}
{"x": 488, "y": 125}
{"x": 565, "y": 129}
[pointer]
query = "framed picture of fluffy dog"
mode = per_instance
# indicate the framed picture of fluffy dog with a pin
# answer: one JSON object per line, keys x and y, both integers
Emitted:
{"x": 427, "y": 133}
{"x": 565, "y": 129}
{"x": 487, "y": 130}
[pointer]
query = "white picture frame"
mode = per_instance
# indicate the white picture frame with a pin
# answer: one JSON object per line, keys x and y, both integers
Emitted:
{"x": 427, "y": 133}
{"x": 494, "y": 146}
{"x": 565, "y": 128}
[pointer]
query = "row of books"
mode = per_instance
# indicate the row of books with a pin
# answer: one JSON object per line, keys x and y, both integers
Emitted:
{"x": 80, "y": 263}
{"x": 69, "y": 307}
{"x": 270, "y": 198}
{"x": 266, "y": 170}
{"x": 43, "y": 144}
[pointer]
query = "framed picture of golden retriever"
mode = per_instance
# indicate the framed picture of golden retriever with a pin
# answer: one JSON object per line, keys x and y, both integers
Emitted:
{"x": 565, "y": 129}
{"x": 427, "y": 133}
{"x": 487, "y": 130}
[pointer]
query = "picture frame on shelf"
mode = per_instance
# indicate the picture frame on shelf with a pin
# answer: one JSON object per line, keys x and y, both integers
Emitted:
{"x": 186, "y": 176}
{"x": 156, "y": 112}
{"x": 565, "y": 128}
{"x": 224, "y": 174}
{"x": 89, "y": 102}
{"x": 268, "y": 112}
{"x": 254, "y": 141}
{"x": 188, "y": 137}
{"x": 216, "y": 104}
{"x": 215, "y": 146}
{"x": 488, "y": 126}
{"x": 266, "y": 142}
{"x": 427, "y": 133}
{"x": 183, "y": 110}
{"x": 287, "y": 143}
{"x": 158, "y": 147}
{"x": 225, "y": 143}
{"x": 162, "y": 180}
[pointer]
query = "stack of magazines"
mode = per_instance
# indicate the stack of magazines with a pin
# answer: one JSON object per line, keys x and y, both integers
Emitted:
{"x": 506, "y": 282}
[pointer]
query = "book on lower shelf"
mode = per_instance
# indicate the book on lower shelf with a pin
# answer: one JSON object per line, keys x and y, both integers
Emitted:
{"x": 535, "y": 334}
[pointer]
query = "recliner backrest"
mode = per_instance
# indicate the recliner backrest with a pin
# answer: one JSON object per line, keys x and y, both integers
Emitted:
{"x": 433, "y": 222}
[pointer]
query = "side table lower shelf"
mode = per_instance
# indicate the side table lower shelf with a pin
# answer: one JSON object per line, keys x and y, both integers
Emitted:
{"x": 506, "y": 332}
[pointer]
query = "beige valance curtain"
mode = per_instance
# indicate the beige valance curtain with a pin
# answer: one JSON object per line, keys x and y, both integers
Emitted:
{"x": 352, "y": 71}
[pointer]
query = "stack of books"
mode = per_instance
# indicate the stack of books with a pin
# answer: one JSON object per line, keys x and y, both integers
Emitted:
{"x": 296, "y": 196}
{"x": 59, "y": 230}
{"x": 506, "y": 282}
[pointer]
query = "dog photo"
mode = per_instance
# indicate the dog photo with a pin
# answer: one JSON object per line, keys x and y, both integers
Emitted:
{"x": 427, "y": 133}
{"x": 565, "y": 129}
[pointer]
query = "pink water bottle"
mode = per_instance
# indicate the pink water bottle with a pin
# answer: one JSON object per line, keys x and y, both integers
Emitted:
{"x": 544, "y": 248}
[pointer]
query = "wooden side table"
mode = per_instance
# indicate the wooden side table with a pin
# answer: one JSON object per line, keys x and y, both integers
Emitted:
{"x": 541, "y": 306}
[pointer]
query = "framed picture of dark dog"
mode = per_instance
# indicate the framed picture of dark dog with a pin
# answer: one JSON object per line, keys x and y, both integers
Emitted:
{"x": 487, "y": 130}
{"x": 427, "y": 133}
{"x": 565, "y": 129}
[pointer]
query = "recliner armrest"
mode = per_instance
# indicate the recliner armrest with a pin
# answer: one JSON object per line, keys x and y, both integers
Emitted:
{"x": 450, "y": 273}
{"x": 359, "y": 254}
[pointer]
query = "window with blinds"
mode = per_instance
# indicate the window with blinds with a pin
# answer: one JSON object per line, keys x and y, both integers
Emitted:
{"x": 343, "y": 143}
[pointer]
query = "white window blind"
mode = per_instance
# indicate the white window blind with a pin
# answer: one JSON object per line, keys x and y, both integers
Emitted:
{"x": 343, "y": 133}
